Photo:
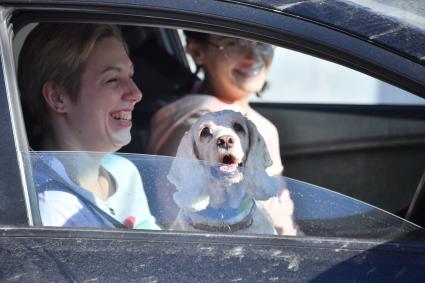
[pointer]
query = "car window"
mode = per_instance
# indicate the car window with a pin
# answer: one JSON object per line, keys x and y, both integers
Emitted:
{"x": 325, "y": 82}
{"x": 317, "y": 211}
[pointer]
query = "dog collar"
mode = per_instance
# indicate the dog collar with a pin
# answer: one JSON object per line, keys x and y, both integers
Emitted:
{"x": 224, "y": 228}
{"x": 224, "y": 220}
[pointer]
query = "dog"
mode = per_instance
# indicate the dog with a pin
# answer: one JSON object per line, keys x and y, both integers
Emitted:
{"x": 220, "y": 176}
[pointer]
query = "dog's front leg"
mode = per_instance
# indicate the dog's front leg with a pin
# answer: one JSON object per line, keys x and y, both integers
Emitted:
{"x": 235, "y": 195}
{"x": 217, "y": 193}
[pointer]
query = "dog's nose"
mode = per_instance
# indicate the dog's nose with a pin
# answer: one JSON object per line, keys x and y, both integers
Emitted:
{"x": 225, "y": 142}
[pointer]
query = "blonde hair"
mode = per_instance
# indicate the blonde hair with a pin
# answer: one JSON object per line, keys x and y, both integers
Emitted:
{"x": 55, "y": 52}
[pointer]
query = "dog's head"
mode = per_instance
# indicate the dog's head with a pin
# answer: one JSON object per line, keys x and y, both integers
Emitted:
{"x": 226, "y": 138}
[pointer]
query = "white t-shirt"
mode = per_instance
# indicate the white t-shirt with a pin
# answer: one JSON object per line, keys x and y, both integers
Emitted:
{"x": 64, "y": 203}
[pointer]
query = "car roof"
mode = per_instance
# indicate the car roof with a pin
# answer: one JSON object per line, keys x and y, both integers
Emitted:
{"x": 392, "y": 24}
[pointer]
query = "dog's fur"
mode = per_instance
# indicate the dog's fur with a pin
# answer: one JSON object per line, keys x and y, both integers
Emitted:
{"x": 224, "y": 137}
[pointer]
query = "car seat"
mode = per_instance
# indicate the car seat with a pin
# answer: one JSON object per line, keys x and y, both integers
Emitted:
{"x": 161, "y": 77}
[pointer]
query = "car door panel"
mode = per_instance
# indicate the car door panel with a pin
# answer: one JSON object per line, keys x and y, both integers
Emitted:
{"x": 89, "y": 255}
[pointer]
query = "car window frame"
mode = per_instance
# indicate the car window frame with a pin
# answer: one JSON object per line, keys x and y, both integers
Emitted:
{"x": 15, "y": 202}
{"x": 44, "y": 252}
{"x": 270, "y": 26}
{"x": 208, "y": 18}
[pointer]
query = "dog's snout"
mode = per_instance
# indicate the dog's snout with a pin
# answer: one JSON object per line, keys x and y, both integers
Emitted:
{"x": 225, "y": 142}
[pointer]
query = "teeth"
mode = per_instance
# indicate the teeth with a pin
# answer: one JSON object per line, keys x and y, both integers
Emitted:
{"x": 122, "y": 115}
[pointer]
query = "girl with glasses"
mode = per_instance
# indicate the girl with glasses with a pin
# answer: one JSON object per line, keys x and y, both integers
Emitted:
{"x": 233, "y": 69}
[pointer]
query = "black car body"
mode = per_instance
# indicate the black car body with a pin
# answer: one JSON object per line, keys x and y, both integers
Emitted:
{"x": 374, "y": 153}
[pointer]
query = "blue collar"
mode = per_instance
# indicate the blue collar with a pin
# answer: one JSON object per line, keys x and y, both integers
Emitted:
{"x": 225, "y": 214}
{"x": 223, "y": 220}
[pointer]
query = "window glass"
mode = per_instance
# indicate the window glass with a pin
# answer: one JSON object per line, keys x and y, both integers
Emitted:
{"x": 176, "y": 194}
{"x": 326, "y": 82}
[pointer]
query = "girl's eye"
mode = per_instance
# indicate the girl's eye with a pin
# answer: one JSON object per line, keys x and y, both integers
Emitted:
{"x": 205, "y": 132}
{"x": 112, "y": 81}
{"x": 231, "y": 44}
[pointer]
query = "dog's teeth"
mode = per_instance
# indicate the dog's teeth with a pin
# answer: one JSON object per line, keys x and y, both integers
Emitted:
{"x": 228, "y": 168}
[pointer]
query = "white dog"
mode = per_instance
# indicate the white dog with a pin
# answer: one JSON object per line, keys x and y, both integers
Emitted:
{"x": 223, "y": 190}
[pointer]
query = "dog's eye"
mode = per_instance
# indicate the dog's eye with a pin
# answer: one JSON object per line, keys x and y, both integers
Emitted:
{"x": 238, "y": 127}
{"x": 205, "y": 132}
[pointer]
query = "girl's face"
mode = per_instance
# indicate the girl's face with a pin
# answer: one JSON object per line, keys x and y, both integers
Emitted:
{"x": 235, "y": 68}
{"x": 100, "y": 120}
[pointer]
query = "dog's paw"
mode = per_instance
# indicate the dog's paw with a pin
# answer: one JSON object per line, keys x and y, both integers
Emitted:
{"x": 280, "y": 209}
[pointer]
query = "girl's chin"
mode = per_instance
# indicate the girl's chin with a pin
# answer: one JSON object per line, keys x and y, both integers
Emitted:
{"x": 120, "y": 138}
{"x": 250, "y": 85}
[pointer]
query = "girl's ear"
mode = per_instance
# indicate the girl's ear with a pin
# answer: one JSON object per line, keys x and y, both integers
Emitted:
{"x": 56, "y": 97}
{"x": 196, "y": 50}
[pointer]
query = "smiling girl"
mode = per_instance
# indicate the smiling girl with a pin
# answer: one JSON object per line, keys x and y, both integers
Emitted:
{"x": 78, "y": 95}
{"x": 233, "y": 70}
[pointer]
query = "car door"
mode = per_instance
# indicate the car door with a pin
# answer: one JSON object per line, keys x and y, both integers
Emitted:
{"x": 76, "y": 254}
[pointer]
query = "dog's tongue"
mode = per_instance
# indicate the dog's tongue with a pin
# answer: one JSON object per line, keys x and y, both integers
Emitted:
{"x": 228, "y": 168}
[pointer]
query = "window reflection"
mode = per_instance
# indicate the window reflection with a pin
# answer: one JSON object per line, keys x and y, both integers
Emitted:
{"x": 317, "y": 211}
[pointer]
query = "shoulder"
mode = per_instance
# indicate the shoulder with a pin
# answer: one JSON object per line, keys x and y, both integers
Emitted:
{"x": 261, "y": 122}
{"x": 188, "y": 104}
{"x": 49, "y": 175}
{"x": 59, "y": 206}
{"x": 50, "y": 184}
{"x": 271, "y": 136}
{"x": 170, "y": 123}
{"x": 49, "y": 189}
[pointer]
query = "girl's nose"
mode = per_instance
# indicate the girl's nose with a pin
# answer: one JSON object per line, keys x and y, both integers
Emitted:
{"x": 253, "y": 53}
{"x": 133, "y": 93}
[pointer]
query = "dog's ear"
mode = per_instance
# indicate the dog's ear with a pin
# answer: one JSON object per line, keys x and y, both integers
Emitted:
{"x": 258, "y": 156}
{"x": 186, "y": 150}
{"x": 259, "y": 184}
{"x": 187, "y": 174}
{"x": 187, "y": 147}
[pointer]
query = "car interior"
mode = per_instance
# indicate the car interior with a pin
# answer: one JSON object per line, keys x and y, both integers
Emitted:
{"x": 374, "y": 153}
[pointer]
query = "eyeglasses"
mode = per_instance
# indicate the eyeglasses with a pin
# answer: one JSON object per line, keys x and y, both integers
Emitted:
{"x": 234, "y": 49}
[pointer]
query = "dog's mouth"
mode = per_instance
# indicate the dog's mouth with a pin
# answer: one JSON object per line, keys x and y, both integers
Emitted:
{"x": 231, "y": 161}
{"x": 229, "y": 167}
